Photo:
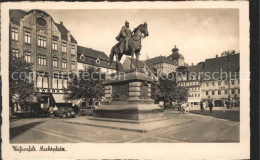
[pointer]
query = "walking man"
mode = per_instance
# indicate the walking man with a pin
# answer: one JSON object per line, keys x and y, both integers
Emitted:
{"x": 201, "y": 106}
{"x": 210, "y": 106}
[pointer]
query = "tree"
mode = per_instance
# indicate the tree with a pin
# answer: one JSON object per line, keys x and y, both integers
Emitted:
{"x": 21, "y": 82}
{"x": 167, "y": 90}
{"x": 87, "y": 85}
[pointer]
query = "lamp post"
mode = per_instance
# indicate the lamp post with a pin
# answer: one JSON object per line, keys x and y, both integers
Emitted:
{"x": 228, "y": 54}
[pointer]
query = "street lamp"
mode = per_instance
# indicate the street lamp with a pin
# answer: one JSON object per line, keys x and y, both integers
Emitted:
{"x": 228, "y": 54}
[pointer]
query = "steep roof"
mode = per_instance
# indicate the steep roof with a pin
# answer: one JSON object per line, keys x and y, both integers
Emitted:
{"x": 221, "y": 63}
{"x": 64, "y": 32}
{"x": 161, "y": 59}
{"x": 92, "y": 55}
{"x": 197, "y": 68}
{"x": 17, "y": 15}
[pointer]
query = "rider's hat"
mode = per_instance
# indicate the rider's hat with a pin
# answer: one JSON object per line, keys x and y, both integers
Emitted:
{"x": 126, "y": 22}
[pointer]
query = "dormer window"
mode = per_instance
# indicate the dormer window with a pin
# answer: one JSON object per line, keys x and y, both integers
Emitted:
{"x": 82, "y": 57}
{"x": 98, "y": 61}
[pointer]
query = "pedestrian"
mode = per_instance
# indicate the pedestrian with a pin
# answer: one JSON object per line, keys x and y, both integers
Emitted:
{"x": 210, "y": 106}
{"x": 183, "y": 107}
{"x": 201, "y": 106}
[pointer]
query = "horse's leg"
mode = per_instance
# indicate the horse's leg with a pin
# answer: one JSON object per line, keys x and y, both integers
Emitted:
{"x": 111, "y": 56}
{"x": 132, "y": 57}
{"x": 117, "y": 62}
{"x": 137, "y": 59}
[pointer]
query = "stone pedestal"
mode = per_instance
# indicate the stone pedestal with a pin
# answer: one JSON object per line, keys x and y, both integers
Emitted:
{"x": 128, "y": 97}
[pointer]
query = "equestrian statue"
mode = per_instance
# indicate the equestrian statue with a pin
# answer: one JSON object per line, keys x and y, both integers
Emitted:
{"x": 129, "y": 44}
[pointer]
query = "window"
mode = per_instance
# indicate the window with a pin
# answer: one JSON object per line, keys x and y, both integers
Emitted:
{"x": 73, "y": 65}
{"x": 55, "y": 62}
{"x": 72, "y": 50}
{"x": 213, "y": 84}
{"x": 238, "y": 81}
{"x": 207, "y": 84}
{"x": 82, "y": 57}
{"x": 42, "y": 60}
{"x": 27, "y": 37}
{"x": 207, "y": 92}
{"x": 232, "y": 82}
{"x": 27, "y": 56}
{"x": 14, "y": 34}
{"x": 219, "y": 83}
{"x": 198, "y": 95}
{"x": 55, "y": 82}
{"x": 55, "y": 45}
{"x": 60, "y": 83}
{"x": 15, "y": 53}
{"x": 195, "y": 95}
{"x": 64, "y": 47}
{"x": 42, "y": 80}
{"x": 225, "y": 82}
{"x": 41, "y": 41}
{"x": 213, "y": 92}
{"x": 238, "y": 91}
{"x": 65, "y": 83}
{"x": 219, "y": 92}
{"x": 98, "y": 61}
{"x": 64, "y": 63}
{"x": 226, "y": 92}
{"x": 233, "y": 91}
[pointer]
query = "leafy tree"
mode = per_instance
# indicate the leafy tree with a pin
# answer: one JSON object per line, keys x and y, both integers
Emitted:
{"x": 87, "y": 85}
{"x": 167, "y": 90}
{"x": 21, "y": 83}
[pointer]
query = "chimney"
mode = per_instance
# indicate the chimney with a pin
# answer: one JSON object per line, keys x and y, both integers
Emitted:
{"x": 61, "y": 23}
{"x": 191, "y": 64}
{"x": 216, "y": 56}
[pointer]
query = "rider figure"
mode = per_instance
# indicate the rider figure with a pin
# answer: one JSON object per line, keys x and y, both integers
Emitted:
{"x": 124, "y": 36}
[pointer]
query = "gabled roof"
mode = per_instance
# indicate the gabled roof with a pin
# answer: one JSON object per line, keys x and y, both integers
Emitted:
{"x": 161, "y": 59}
{"x": 64, "y": 32}
{"x": 89, "y": 52}
{"x": 91, "y": 56}
{"x": 17, "y": 15}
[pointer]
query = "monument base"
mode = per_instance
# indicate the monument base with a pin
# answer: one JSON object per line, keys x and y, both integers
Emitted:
{"x": 131, "y": 112}
{"x": 128, "y": 97}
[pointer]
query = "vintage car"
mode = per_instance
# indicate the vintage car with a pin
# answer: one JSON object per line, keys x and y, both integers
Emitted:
{"x": 64, "y": 112}
{"x": 88, "y": 111}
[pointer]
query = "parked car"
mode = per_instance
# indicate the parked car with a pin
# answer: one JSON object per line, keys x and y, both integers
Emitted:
{"x": 64, "y": 112}
{"x": 88, "y": 111}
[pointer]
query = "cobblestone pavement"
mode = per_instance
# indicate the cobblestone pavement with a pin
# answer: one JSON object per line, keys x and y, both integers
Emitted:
{"x": 202, "y": 127}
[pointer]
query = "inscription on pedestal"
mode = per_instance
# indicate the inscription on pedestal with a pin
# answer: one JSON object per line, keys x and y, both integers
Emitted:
{"x": 120, "y": 91}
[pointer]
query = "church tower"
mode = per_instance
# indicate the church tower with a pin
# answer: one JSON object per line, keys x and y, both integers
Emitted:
{"x": 177, "y": 57}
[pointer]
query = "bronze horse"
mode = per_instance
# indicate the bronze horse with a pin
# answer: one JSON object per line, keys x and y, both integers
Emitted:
{"x": 134, "y": 47}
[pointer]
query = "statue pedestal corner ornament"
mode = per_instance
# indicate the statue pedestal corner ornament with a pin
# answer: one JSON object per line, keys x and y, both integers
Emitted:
{"x": 128, "y": 97}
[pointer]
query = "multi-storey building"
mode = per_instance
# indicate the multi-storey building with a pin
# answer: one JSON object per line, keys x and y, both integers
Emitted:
{"x": 190, "y": 78}
{"x": 51, "y": 48}
{"x": 221, "y": 80}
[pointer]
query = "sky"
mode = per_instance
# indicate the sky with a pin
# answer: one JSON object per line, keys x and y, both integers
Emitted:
{"x": 198, "y": 33}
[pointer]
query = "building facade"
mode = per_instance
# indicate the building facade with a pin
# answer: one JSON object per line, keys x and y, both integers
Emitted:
{"x": 224, "y": 82}
{"x": 94, "y": 58}
{"x": 51, "y": 48}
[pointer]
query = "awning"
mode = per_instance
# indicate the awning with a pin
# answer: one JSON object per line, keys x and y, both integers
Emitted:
{"x": 59, "y": 98}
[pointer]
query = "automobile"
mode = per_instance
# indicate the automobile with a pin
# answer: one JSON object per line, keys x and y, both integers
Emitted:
{"x": 88, "y": 111}
{"x": 64, "y": 112}
{"x": 176, "y": 105}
